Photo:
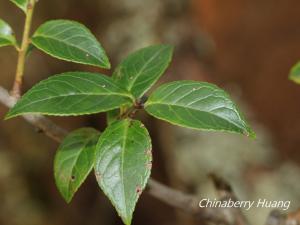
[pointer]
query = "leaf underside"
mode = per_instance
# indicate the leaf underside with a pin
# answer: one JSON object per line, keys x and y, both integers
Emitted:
{"x": 72, "y": 93}
{"x": 295, "y": 73}
{"x": 74, "y": 160}
{"x": 70, "y": 41}
{"x": 197, "y": 105}
{"x": 140, "y": 70}
{"x": 6, "y": 34}
{"x": 123, "y": 164}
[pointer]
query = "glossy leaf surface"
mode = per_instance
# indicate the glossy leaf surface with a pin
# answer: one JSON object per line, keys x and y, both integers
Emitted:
{"x": 74, "y": 160}
{"x": 72, "y": 93}
{"x": 123, "y": 164}
{"x": 70, "y": 41}
{"x": 140, "y": 70}
{"x": 197, "y": 105}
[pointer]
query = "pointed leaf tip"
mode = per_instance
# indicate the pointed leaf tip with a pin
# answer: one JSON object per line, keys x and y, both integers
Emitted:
{"x": 74, "y": 160}
{"x": 197, "y": 105}
{"x": 123, "y": 156}
{"x": 141, "y": 69}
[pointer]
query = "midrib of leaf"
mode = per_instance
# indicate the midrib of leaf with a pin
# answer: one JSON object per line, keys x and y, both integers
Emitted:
{"x": 122, "y": 163}
{"x": 187, "y": 84}
{"x": 125, "y": 134}
{"x": 197, "y": 110}
{"x": 93, "y": 82}
{"x": 68, "y": 95}
{"x": 80, "y": 152}
{"x": 77, "y": 157}
{"x": 66, "y": 43}
{"x": 143, "y": 68}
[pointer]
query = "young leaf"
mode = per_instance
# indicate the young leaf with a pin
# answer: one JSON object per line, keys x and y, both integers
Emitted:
{"x": 123, "y": 164}
{"x": 72, "y": 93}
{"x": 74, "y": 160}
{"x": 197, "y": 105}
{"x": 6, "y": 34}
{"x": 295, "y": 73}
{"x": 22, "y": 4}
{"x": 140, "y": 70}
{"x": 70, "y": 41}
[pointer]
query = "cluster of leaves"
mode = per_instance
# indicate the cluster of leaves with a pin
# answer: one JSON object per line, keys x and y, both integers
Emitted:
{"x": 121, "y": 156}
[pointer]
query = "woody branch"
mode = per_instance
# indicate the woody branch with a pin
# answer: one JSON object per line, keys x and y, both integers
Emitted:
{"x": 174, "y": 198}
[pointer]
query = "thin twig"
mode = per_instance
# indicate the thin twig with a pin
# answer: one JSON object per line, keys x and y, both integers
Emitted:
{"x": 174, "y": 198}
{"x": 17, "y": 86}
{"x": 165, "y": 194}
{"x": 44, "y": 124}
{"x": 225, "y": 193}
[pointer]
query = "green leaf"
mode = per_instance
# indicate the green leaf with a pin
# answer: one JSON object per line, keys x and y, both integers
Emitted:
{"x": 123, "y": 164}
{"x": 112, "y": 116}
{"x": 140, "y": 70}
{"x": 197, "y": 105}
{"x": 74, "y": 160}
{"x": 6, "y": 34}
{"x": 22, "y": 4}
{"x": 70, "y": 41}
{"x": 295, "y": 73}
{"x": 72, "y": 93}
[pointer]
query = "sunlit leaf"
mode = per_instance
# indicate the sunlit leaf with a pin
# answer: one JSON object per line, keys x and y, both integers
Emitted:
{"x": 6, "y": 34}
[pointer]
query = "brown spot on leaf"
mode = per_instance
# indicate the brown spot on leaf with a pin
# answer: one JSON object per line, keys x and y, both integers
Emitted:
{"x": 138, "y": 190}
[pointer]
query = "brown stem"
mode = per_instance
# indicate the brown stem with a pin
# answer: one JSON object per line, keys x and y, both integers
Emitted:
{"x": 17, "y": 86}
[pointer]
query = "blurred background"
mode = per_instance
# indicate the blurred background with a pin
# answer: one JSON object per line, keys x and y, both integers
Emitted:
{"x": 245, "y": 46}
